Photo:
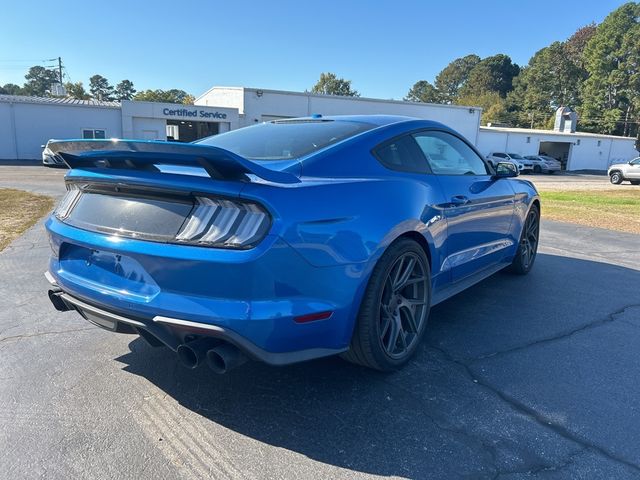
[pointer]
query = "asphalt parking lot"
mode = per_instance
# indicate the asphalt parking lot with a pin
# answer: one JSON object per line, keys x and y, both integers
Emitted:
{"x": 518, "y": 377}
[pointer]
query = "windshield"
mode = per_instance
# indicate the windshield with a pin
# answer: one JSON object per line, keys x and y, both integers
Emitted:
{"x": 516, "y": 156}
{"x": 285, "y": 139}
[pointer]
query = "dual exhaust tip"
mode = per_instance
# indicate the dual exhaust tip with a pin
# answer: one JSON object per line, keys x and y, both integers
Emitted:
{"x": 220, "y": 357}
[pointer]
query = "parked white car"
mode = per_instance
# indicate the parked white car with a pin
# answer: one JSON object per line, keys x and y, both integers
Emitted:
{"x": 619, "y": 172}
{"x": 523, "y": 165}
{"x": 49, "y": 159}
{"x": 544, "y": 164}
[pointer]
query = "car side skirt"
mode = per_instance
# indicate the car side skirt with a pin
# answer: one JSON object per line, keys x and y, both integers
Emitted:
{"x": 453, "y": 289}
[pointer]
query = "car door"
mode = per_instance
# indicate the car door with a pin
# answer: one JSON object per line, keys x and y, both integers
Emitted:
{"x": 634, "y": 169}
{"x": 479, "y": 209}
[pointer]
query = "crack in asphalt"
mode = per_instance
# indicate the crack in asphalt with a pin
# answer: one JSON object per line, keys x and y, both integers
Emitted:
{"x": 477, "y": 440}
{"x": 596, "y": 323}
{"x": 535, "y": 415}
{"x": 39, "y": 334}
{"x": 535, "y": 470}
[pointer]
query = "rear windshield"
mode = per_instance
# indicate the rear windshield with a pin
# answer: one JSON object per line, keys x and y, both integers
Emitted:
{"x": 516, "y": 156}
{"x": 285, "y": 139}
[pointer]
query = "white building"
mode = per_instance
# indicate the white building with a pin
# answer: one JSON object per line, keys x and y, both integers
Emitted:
{"x": 576, "y": 150}
{"x": 255, "y": 105}
{"x": 26, "y": 123}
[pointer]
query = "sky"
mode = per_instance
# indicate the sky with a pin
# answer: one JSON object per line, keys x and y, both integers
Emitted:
{"x": 383, "y": 47}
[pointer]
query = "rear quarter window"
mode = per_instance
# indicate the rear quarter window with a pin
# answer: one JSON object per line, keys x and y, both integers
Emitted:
{"x": 402, "y": 154}
{"x": 285, "y": 139}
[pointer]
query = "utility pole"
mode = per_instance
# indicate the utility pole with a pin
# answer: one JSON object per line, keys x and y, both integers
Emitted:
{"x": 60, "y": 69}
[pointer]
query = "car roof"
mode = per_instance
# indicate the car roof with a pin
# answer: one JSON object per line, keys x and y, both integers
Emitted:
{"x": 377, "y": 120}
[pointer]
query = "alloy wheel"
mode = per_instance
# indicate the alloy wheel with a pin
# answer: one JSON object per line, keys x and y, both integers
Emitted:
{"x": 529, "y": 242}
{"x": 403, "y": 305}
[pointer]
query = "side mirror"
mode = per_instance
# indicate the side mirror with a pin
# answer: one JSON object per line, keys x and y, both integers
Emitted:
{"x": 505, "y": 170}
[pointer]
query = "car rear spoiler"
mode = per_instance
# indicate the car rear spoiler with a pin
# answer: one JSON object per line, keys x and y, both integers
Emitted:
{"x": 147, "y": 155}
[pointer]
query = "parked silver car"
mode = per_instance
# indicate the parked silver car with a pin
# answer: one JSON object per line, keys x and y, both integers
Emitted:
{"x": 619, "y": 172}
{"x": 544, "y": 164}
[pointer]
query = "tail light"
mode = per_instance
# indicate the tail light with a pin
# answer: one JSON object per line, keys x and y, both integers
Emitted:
{"x": 224, "y": 223}
{"x": 68, "y": 201}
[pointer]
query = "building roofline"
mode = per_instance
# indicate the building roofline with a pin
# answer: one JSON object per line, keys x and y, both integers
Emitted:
{"x": 70, "y": 102}
{"x": 534, "y": 131}
{"x": 341, "y": 97}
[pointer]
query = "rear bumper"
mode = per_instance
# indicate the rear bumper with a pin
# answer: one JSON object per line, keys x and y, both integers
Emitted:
{"x": 249, "y": 298}
{"x": 170, "y": 331}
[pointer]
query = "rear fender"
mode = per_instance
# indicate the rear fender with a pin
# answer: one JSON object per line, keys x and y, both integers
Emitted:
{"x": 351, "y": 221}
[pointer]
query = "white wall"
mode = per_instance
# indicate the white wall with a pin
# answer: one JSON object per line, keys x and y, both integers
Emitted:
{"x": 258, "y": 105}
{"x": 623, "y": 151}
{"x": 229, "y": 97}
{"x": 148, "y": 129}
{"x": 489, "y": 142}
{"x": 7, "y": 132}
{"x": 36, "y": 123}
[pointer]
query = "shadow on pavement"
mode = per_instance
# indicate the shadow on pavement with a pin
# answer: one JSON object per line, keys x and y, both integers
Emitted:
{"x": 430, "y": 419}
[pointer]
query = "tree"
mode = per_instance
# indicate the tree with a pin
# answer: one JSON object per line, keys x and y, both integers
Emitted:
{"x": 492, "y": 74}
{"x": 11, "y": 89}
{"x": 453, "y": 77}
{"x": 188, "y": 99}
{"x": 100, "y": 88}
{"x": 495, "y": 109}
{"x": 611, "y": 93}
{"x": 39, "y": 81}
{"x": 124, "y": 90}
{"x": 169, "y": 96}
{"x": 575, "y": 44}
{"x": 423, "y": 91}
{"x": 76, "y": 90}
{"x": 550, "y": 80}
{"x": 330, "y": 84}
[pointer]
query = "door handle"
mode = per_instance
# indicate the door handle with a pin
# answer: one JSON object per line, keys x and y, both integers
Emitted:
{"x": 459, "y": 200}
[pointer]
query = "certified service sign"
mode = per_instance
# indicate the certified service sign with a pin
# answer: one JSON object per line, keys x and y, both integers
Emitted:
{"x": 193, "y": 113}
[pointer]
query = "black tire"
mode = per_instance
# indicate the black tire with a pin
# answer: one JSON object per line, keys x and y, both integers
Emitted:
{"x": 528, "y": 246}
{"x": 537, "y": 169}
{"x": 616, "y": 178}
{"x": 635, "y": 182}
{"x": 375, "y": 343}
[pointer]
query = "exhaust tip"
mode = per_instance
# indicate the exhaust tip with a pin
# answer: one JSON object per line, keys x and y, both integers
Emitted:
{"x": 57, "y": 302}
{"x": 216, "y": 362}
{"x": 187, "y": 356}
{"x": 224, "y": 357}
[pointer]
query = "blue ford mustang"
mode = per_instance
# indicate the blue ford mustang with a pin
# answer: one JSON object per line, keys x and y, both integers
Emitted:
{"x": 285, "y": 241}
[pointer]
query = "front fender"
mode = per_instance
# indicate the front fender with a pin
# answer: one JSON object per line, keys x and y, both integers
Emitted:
{"x": 525, "y": 195}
